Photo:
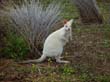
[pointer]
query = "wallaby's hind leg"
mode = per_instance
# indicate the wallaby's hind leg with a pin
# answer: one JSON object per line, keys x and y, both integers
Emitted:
{"x": 58, "y": 60}
{"x": 41, "y": 59}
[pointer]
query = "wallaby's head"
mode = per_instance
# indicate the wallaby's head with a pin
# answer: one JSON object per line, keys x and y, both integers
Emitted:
{"x": 67, "y": 27}
{"x": 68, "y": 24}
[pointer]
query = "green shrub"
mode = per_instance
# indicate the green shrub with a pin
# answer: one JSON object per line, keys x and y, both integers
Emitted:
{"x": 85, "y": 77}
{"x": 103, "y": 78}
{"x": 67, "y": 70}
{"x": 16, "y": 48}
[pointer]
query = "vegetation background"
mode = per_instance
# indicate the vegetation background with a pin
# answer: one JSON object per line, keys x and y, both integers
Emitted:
{"x": 89, "y": 52}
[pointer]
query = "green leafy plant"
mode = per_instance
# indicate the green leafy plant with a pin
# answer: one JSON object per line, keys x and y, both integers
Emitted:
{"x": 84, "y": 77}
{"x": 33, "y": 68}
{"x": 16, "y": 48}
{"x": 103, "y": 78}
{"x": 67, "y": 70}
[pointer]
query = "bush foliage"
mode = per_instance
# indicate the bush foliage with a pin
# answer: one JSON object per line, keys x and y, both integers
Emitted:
{"x": 33, "y": 21}
{"x": 16, "y": 48}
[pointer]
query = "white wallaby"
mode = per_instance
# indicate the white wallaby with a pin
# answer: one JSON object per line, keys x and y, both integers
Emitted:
{"x": 54, "y": 44}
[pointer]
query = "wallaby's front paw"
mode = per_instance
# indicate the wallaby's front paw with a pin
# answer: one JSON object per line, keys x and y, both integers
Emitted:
{"x": 66, "y": 62}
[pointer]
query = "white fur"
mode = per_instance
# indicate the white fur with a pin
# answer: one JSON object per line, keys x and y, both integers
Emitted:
{"x": 55, "y": 42}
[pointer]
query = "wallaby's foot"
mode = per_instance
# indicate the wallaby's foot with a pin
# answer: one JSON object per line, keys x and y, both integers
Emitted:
{"x": 58, "y": 60}
{"x": 66, "y": 62}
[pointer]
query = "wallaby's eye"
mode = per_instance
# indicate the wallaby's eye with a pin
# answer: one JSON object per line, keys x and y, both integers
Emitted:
{"x": 66, "y": 26}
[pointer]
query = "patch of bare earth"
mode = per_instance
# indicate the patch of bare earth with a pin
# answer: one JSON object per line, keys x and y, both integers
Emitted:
{"x": 90, "y": 48}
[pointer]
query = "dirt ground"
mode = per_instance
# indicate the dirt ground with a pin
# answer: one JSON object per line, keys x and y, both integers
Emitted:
{"x": 89, "y": 53}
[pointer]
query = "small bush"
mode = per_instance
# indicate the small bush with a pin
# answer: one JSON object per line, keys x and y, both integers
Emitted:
{"x": 67, "y": 70}
{"x": 33, "y": 21}
{"x": 103, "y": 78}
{"x": 16, "y": 48}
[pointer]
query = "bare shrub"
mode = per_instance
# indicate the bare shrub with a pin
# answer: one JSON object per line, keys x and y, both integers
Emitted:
{"x": 33, "y": 21}
{"x": 89, "y": 11}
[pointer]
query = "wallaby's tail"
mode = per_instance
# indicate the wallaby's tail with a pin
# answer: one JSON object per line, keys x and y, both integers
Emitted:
{"x": 41, "y": 59}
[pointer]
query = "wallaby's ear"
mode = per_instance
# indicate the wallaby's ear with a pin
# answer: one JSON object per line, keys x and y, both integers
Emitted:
{"x": 69, "y": 23}
{"x": 65, "y": 21}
